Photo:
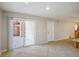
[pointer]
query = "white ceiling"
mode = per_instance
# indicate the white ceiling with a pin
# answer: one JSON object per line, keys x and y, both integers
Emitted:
{"x": 58, "y": 10}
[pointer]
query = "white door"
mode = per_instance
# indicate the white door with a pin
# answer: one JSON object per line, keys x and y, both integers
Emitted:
{"x": 15, "y": 41}
{"x": 29, "y": 33}
{"x": 50, "y": 30}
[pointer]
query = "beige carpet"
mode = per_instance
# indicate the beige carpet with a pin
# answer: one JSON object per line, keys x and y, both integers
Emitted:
{"x": 61, "y": 48}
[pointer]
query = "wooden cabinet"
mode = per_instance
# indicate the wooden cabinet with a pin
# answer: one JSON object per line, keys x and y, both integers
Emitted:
{"x": 77, "y": 34}
{"x": 76, "y": 38}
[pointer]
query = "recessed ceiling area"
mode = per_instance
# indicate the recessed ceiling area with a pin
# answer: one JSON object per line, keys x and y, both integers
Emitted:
{"x": 56, "y": 10}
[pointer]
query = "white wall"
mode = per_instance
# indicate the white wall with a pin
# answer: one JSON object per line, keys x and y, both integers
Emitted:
{"x": 4, "y": 32}
{"x": 41, "y": 34}
{"x": 0, "y": 28}
{"x": 50, "y": 30}
{"x": 63, "y": 29}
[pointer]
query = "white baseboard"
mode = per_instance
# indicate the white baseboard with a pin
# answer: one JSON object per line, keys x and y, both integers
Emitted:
{"x": 64, "y": 38}
{"x": 41, "y": 43}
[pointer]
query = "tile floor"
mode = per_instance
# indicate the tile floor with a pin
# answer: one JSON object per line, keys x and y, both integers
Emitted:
{"x": 62, "y": 48}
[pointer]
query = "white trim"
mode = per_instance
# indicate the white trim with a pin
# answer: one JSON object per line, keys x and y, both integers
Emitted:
{"x": 64, "y": 38}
